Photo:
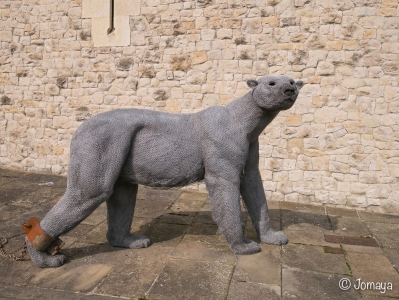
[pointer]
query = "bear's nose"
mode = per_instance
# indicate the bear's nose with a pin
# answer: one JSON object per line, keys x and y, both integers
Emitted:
{"x": 289, "y": 92}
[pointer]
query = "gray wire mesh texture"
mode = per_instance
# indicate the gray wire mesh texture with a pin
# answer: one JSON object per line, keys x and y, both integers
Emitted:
{"x": 115, "y": 151}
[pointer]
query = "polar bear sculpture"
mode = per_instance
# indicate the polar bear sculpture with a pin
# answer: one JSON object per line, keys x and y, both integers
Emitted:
{"x": 113, "y": 152}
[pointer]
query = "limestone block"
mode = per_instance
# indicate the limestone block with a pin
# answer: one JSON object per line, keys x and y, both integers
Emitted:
{"x": 316, "y": 41}
{"x": 251, "y": 25}
{"x": 325, "y": 68}
{"x": 391, "y": 204}
{"x": 5, "y": 36}
{"x": 391, "y": 67}
{"x": 196, "y": 77}
{"x": 387, "y": 11}
{"x": 271, "y": 21}
{"x": 208, "y": 34}
{"x": 120, "y": 37}
{"x": 359, "y": 188}
{"x": 295, "y": 175}
{"x": 198, "y": 57}
{"x": 303, "y": 187}
{"x": 393, "y": 169}
{"x": 225, "y": 33}
{"x": 371, "y": 120}
{"x": 246, "y": 52}
{"x": 210, "y": 100}
{"x": 60, "y": 122}
{"x": 226, "y": 87}
{"x": 389, "y": 119}
{"x": 52, "y": 90}
{"x": 325, "y": 114}
{"x": 371, "y": 22}
{"x": 24, "y": 81}
{"x": 126, "y": 7}
{"x": 75, "y": 12}
{"x": 320, "y": 163}
{"x": 331, "y": 18}
{"x": 322, "y": 196}
{"x": 95, "y": 8}
{"x": 101, "y": 8}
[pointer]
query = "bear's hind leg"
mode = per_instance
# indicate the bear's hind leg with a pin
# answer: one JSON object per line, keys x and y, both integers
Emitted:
{"x": 120, "y": 207}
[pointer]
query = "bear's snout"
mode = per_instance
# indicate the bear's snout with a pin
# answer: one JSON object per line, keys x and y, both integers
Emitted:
{"x": 289, "y": 92}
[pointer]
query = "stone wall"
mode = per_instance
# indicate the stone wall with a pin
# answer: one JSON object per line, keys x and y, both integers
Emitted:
{"x": 339, "y": 144}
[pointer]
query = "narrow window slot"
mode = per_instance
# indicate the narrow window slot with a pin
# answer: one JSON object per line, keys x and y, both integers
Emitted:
{"x": 111, "y": 17}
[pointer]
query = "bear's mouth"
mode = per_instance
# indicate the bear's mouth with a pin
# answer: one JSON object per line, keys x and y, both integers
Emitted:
{"x": 289, "y": 100}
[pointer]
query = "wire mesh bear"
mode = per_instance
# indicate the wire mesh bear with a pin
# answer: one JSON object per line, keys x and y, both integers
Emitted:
{"x": 113, "y": 152}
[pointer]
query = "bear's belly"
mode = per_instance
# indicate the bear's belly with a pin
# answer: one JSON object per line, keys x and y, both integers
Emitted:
{"x": 164, "y": 160}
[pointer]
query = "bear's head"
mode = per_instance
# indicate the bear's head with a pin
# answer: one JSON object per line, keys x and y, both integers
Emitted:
{"x": 275, "y": 92}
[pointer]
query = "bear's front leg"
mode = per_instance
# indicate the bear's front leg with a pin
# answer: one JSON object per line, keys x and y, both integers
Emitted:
{"x": 44, "y": 259}
{"x": 224, "y": 196}
{"x": 252, "y": 192}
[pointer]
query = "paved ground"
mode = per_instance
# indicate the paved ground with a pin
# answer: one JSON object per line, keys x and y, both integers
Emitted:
{"x": 187, "y": 260}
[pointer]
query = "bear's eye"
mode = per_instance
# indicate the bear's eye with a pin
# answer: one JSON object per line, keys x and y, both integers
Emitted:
{"x": 292, "y": 82}
{"x": 272, "y": 83}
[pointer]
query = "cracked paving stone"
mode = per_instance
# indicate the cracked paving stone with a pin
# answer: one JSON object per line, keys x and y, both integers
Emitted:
{"x": 16, "y": 272}
{"x": 74, "y": 276}
{"x": 166, "y": 234}
{"x": 205, "y": 248}
{"x": 351, "y": 240}
{"x": 202, "y": 229}
{"x": 158, "y": 195}
{"x": 350, "y": 227}
{"x": 307, "y": 237}
{"x": 252, "y": 267}
{"x": 384, "y": 233}
{"x": 190, "y": 279}
{"x": 240, "y": 288}
{"x": 40, "y": 196}
{"x": 313, "y": 258}
{"x": 8, "y": 212}
{"x": 373, "y": 268}
{"x": 193, "y": 196}
{"x": 302, "y": 208}
{"x": 8, "y": 195}
{"x": 150, "y": 208}
{"x": 10, "y": 292}
{"x": 86, "y": 253}
{"x": 300, "y": 284}
{"x": 177, "y": 218}
{"x": 393, "y": 256}
{"x": 303, "y": 220}
{"x": 135, "y": 274}
{"x": 379, "y": 218}
{"x": 343, "y": 212}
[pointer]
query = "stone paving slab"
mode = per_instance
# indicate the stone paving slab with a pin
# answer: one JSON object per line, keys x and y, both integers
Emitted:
{"x": 8, "y": 292}
{"x": 313, "y": 258}
{"x": 187, "y": 259}
{"x": 386, "y": 234}
{"x": 301, "y": 284}
{"x": 263, "y": 267}
{"x": 351, "y": 240}
{"x": 192, "y": 279}
{"x": 350, "y": 227}
{"x": 373, "y": 268}
{"x": 343, "y": 212}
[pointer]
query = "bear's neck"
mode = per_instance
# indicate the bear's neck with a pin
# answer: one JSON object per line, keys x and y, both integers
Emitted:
{"x": 251, "y": 117}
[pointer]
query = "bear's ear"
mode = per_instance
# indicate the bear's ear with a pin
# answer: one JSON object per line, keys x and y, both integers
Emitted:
{"x": 252, "y": 83}
{"x": 299, "y": 84}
